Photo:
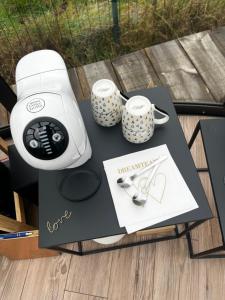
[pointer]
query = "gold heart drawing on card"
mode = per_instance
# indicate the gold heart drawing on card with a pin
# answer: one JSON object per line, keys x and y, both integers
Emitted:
{"x": 157, "y": 187}
{"x": 154, "y": 190}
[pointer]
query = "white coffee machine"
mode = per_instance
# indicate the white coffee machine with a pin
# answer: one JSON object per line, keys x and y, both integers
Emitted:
{"x": 46, "y": 123}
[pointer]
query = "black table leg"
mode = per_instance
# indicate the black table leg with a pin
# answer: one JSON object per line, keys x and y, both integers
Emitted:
{"x": 65, "y": 250}
{"x": 188, "y": 228}
{"x": 210, "y": 253}
{"x": 194, "y": 135}
{"x": 80, "y": 248}
{"x": 202, "y": 170}
{"x": 177, "y": 231}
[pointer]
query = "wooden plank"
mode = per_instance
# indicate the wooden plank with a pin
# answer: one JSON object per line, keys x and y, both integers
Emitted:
{"x": 211, "y": 279}
{"x": 46, "y": 278}
{"x": 218, "y": 37}
{"x": 161, "y": 230}
{"x": 3, "y": 116}
{"x": 209, "y": 229}
{"x": 76, "y": 296}
{"x": 178, "y": 73}
{"x": 10, "y": 225}
{"x": 132, "y": 271}
{"x": 86, "y": 89}
{"x": 88, "y": 74}
{"x": 90, "y": 274}
{"x": 19, "y": 208}
{"x": 188, "y": 124}
{"x": 135, "y": 71}
{"x": 3, "y": 146}
{"x": 144, "y": 275}
{"x": 5, "y": 266}
{"x": 123, "y": 274}
{"x": 175, "y": 274}
{"x": 13, "y": 275}
{"x": 208, "y": 60}
{"x": 3, "y": 156}
{"x": 75, "y": 84}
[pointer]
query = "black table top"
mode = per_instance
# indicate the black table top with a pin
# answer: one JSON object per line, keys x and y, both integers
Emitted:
{"x": 213, "y": 136}
{"x": 96, "y": 217}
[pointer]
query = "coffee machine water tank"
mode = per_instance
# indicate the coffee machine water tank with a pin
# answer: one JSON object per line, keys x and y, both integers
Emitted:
{"x": 46, "y": 123}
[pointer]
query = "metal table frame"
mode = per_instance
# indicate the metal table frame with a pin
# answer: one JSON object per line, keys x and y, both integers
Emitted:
{"x": 213, "y": 252}
{"x": 177, "y": 234}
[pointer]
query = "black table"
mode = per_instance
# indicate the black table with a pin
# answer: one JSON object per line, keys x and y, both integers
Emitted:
{"x": 213, "y": 137}
{"x": 96, "y": 217}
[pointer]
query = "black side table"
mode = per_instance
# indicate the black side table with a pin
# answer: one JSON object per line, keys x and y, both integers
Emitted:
{"x": 62, "y": 221}
{"x": 213, "y": 137}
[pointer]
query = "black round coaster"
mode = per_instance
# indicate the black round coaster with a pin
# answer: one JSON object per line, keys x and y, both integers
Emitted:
{"x": 79, "y": 185}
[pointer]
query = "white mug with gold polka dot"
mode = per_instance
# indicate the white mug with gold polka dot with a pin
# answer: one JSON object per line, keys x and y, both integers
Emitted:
{"x": 106, "y": 103}
{"x": 138, "y": 119}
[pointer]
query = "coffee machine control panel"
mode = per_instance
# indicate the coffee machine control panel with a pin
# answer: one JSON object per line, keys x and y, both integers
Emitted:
{"x": 45, "y": 138}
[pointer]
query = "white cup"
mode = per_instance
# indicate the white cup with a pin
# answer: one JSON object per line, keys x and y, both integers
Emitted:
{"x": 106, "y": 103}
{"x": 138, "y": 119}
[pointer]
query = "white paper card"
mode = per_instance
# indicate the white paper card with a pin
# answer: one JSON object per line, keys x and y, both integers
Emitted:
{"x": 168, "y": 195}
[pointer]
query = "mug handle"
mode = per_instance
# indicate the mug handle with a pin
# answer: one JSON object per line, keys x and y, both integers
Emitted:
{"x": 162, "y": 120}
{"x": 122, "y": 96}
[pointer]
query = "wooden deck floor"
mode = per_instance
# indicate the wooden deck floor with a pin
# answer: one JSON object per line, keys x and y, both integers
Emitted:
{"x": 194, "y": 69}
